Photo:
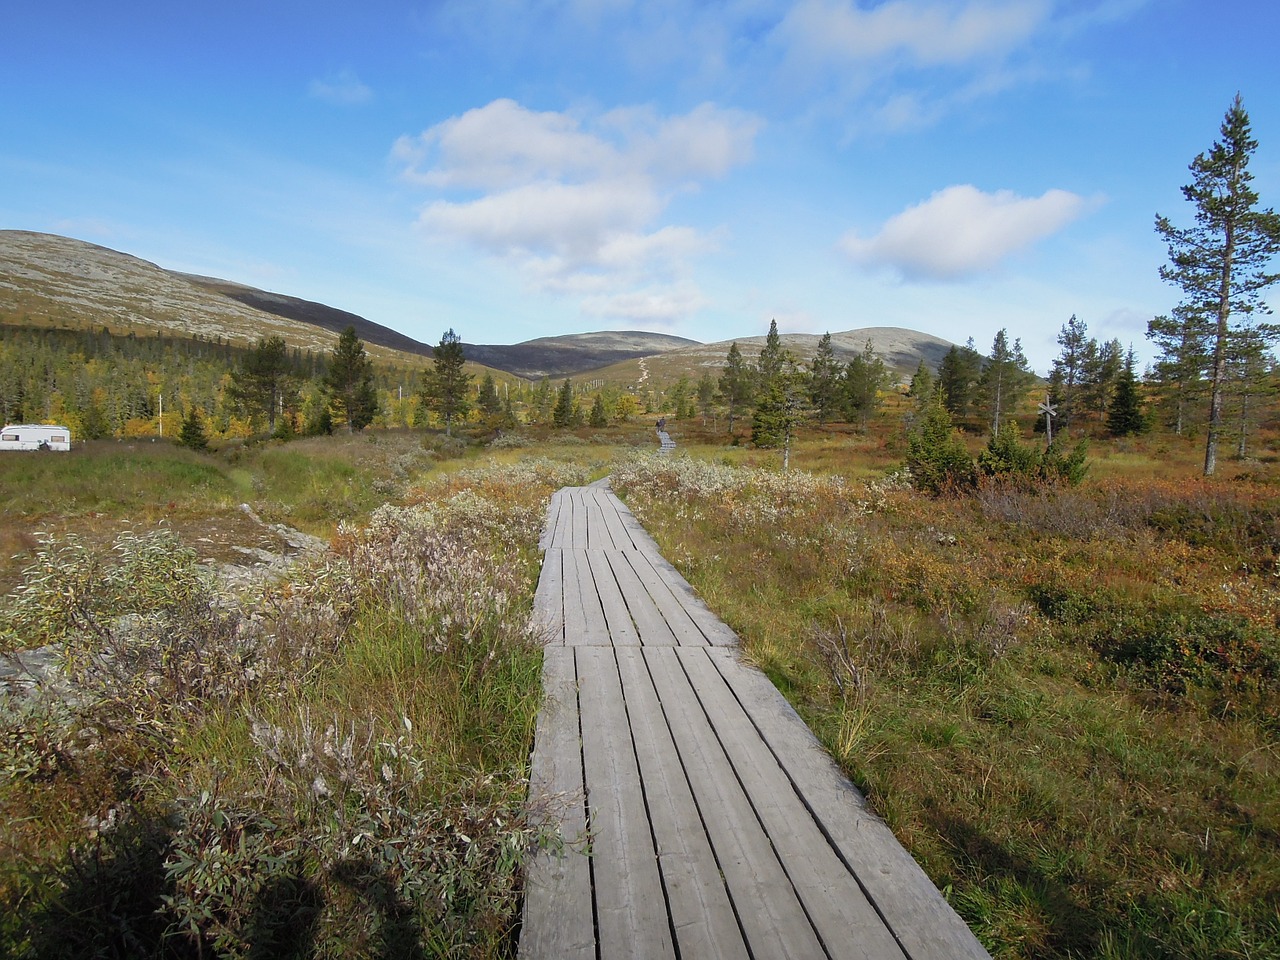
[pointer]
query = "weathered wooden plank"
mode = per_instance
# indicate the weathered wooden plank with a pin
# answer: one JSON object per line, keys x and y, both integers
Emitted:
{"x": 563, "y": 536}
{"x": 548, "y": 599}
{"x": 919, "y": 916}
{"x": 650, "y": 625}
{"x": 837, "y": 907}
{"x": 621, "y": 631}
{"x": 639, "y": 535}
{"x": 768, "y": 910}
{"x": 558, "y": 920}
{"x": 578, "y": 522}
{"x": 631, "y": 909}
{"x": 701, "y": 913}
{"x": 715, "y": 630}
{"x": 584, "y": 620}
{"x": 553, "y": 512}
{"x": 682, "y": 626}
{"x": 598, "y": 535}
{"x": 618, "y": 531}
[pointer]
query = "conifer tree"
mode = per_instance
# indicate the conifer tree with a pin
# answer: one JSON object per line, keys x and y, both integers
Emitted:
{"x": 349, "y": 381}
{"x": 1125, "y": 415}
{"x": 706, "y": 396}
{"x": 864, "y": 378}
{"x": 1179, "y": 370}
{"x": 563, "y": 414}
{"x": 779, "y": 409}
{"x": 1068, "y": 372}
{"x": 193, "y": 434}
{"x": 1005, "y": 378}
{"x": 922, "y": 385}
{"x": 958, "y": 375}
{"x": 598, "y": 417}
{"x": 1221, "y": 264}
{"x": 771, "y": 361}
{"x": 488, "y": 400}
{"x": 824, "y": 380}
{"x": 446, "y": 389}
{"x": 261, "y": 384}
{"x": 736, "y": 384}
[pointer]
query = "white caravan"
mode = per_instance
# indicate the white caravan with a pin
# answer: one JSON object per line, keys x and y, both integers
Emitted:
{"x": 35, "y": 436}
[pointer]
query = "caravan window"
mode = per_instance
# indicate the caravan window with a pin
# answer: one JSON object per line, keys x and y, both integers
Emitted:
{"x": 57, "y": 438}
{"x": 12, "y": 437}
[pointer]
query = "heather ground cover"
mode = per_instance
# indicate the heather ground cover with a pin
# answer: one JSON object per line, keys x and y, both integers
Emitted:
{"x": 332, "y": 764}
{"x": 1065, "y": 701}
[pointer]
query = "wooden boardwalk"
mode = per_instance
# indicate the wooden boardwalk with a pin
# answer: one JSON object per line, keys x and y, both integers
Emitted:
{"x": 700, "y": 817}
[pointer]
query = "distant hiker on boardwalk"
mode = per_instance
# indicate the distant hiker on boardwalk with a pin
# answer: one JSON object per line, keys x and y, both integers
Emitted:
{"x": 662, "y": 424}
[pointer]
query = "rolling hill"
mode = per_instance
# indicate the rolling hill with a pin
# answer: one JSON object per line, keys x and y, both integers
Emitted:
{"x": 48, "y": 280}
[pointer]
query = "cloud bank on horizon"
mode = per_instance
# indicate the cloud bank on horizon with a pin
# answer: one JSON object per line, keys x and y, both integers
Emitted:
{"x": 515, "y": 170}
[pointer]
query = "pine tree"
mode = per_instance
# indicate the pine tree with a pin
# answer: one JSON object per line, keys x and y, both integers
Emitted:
{"x": 922, "y": 385}
{"x": 446, "y": 389}
{"x": 824, "y": 380}
{"x": 706, "y": 396}
{"x": 1249, "y": 380}
{"x": 780, "y": 407}
{"x": 737, "y": 384}
{"x": 349, "y": 381}
{"x": 1179, "y": 370}
{"x": 1068, "y": 371}
{"x": 864, "y": 378}
{"x": 958, "y": 375}
{"x": 261, "y": 384}
{"x": 1125, "y": 416}
{"x": 1005, "y": 378}
{"x": 1101, "y": 371}
{"x": 771, "y": 359}
{"x": 1221, "y": 263}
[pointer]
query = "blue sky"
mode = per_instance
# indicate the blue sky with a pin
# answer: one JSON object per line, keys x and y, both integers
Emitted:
{"x": 515, "y": 170}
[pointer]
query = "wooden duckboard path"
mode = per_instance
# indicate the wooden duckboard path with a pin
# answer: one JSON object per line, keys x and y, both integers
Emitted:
{"x": 700, "y": 818}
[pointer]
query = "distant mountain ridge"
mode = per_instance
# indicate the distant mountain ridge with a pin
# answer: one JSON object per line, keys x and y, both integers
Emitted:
{"x": 49, "y": 280}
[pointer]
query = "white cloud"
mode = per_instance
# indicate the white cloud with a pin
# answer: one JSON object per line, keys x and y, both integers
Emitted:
{"x": 925, "y": 32}
{"x": 343, "y": 88}
{"x": 961, "y": 231}
{"x": 575, "y": 202}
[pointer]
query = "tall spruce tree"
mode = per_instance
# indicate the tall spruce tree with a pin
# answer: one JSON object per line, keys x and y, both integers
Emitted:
{"x": 1221, "y": 263}
{"x": 446, "y": 389}
{"x": 349, "y": 381}
{"x": 1125, "y": 415}
{"x": 563, "y": 414}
